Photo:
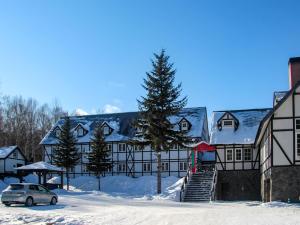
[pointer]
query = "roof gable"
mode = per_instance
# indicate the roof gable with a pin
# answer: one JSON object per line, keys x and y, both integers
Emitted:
{"x": 6, "y": 151}
{"x": 270, "y": 114}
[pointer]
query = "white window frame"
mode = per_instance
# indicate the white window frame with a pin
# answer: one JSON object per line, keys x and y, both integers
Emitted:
{"x": 57, "y": 132}
{"x": 245, "y": 150}
{"x": 109, "y": 147}
{"x": 146, "y": 167}
{"x": 241, "y": 156}
{"x": 229, "y": 150}
{"x": 183, "y": 166}
{"x": 184, "y": 125}
{"x": 85, "y": 168}
{"x": 165, "y": 167}
{"x": 225, "y": 125}
{"x": 105, "y": 130}
{"x": 15, "y": 154}
{"x": 122, "y": 167}
{"x": 121, "y": 147}
{"x": 80, "y": 134}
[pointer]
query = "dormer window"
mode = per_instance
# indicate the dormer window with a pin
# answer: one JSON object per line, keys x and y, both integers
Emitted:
{"x": 80, "y": 132}
{"x": 227, "y": 123}
{"x": 184, "y": 124}
{"x": 57, "y": 132}
{"x": 106, "y": 130}
{"x": 228, "y": 120}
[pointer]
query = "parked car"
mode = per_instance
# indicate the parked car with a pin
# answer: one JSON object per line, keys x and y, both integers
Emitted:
{"x": 28, "y": 194}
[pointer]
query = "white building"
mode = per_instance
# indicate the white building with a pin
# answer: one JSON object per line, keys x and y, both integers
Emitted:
{"x": 10, "y": 158}
{"x": 233, "y": 134}
{"x": 278, "y": 141}
{"x": 127, "y": 159}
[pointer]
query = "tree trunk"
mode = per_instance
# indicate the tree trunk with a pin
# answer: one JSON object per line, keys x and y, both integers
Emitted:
{"x": 99, "y": 184}
{"x": 67, "y": 174}
{"x": 158, "y": 173}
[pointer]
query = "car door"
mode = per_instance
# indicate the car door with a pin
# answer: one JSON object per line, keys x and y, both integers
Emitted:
{"x": 44, "y": 193}
{"x": 34, "y": 193}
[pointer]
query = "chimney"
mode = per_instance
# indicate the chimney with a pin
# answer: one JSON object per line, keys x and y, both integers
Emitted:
{"x": 294, "y": 71}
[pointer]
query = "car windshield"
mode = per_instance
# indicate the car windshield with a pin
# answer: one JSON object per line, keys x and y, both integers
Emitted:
{"x": 14, "y": 187}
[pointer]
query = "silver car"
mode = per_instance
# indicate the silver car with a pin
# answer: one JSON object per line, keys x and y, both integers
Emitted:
{"x": 28, "y": 194}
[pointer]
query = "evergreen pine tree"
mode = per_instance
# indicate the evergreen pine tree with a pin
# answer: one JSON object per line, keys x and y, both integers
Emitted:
{"x": 99, "y": 160}
{"x": 160, "y": 102}
{"x": 66, "y": 154}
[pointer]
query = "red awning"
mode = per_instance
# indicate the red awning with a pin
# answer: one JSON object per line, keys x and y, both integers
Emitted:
{"x": 204, "y": 147}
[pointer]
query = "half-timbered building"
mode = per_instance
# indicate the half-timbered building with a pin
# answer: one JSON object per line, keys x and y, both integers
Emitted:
{"x": 127, "y": 159}
{"x": 11, "y": 157}
{"x": 233, "y": 134}
{"x": 279, "y": 143}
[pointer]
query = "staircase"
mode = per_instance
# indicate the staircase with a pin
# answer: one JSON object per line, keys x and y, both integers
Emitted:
{"x": 199, "y": 187}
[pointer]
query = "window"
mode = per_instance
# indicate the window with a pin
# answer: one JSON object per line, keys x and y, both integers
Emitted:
{"x": 15, "y": 155}
{"x": 57, "y": 132}
{"x": 106, "y": 130}
{"x": 122, "y": 147}
{"x": 80, "y": 132}
{"x": 42, "y": 189}
{"x": 84, "y": 168}
{"x": 247, "y": 154}
{"x": 184, "y": 125}
{"x": 298, "y": 124}
{"x": 138, "y": 148}
{"x": 182, "y": 166}
{"x": 229, "y": 156}
{"x": 146, "y": 167}
{"x": 238, "y": 154}
{"x": 298, "y": 145}
{"x": 227, "y": 123}
{"x": 109, "y": 147}
{"x": 165, "y": 166}
{"x": 122, "y": 167}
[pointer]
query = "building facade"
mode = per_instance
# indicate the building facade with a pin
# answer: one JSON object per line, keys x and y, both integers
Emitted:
{"x": 127, "y": 159}
{"x": 278, "y": 140}
{"x": 237, "y": 160}
{"x": 11, "y": 157}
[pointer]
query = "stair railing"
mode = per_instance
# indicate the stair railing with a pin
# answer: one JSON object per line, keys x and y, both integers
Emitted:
{"x": 186, "y": 180}
{"x": 214, "y": 185}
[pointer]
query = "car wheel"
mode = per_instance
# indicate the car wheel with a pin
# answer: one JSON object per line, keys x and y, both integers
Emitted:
{"x": 29, "y": 202}
{"x": 53, "y": 201}
{"x": 6, "y": 204}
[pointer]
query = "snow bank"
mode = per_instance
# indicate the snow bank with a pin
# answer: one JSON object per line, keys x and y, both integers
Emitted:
{"x": 142, "y": 187}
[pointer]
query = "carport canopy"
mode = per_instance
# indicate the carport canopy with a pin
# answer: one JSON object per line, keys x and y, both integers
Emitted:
{"x": 42, "y": 169}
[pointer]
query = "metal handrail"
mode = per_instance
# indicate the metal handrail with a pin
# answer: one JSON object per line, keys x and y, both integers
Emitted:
{"x": 214, "y": 185}
{"x": 185, "y": 183}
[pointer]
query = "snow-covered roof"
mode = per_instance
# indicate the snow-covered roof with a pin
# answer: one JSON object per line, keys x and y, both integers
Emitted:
{"x": 245, "y": 133}
{"x": 278, "y": 95}
{"x": 40, "y": 166}
{"x": 121, "y": 123}
{"x": 6, "y": 151}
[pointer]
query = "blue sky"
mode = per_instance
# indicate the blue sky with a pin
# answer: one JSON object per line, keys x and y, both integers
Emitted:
{"x": 90, "y": 54}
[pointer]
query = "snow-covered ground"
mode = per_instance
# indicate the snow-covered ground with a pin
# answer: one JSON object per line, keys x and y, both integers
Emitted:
{"x": 133, "y": 201}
